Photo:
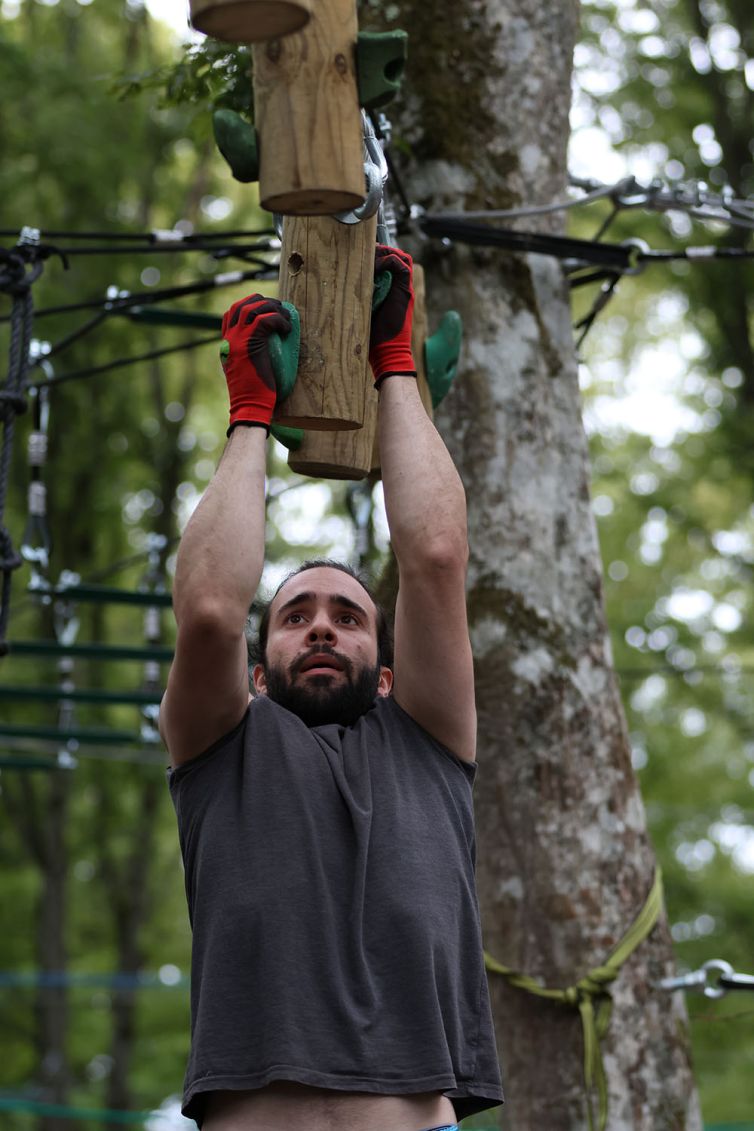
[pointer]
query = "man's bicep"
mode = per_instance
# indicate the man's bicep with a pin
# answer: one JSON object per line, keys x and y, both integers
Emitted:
{"x": 207, "y": 692}
{"x": 434, "y": 673}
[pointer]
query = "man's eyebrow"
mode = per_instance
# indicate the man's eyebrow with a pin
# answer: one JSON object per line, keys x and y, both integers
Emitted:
{"x": 335, "y": 599}
{"x": 299, "y": 599}
{"x": 349, "y": 603}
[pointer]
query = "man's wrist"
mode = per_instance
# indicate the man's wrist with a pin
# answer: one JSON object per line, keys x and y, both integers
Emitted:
{"x": 393, "y": 373}
{"x": 247, "y": 424}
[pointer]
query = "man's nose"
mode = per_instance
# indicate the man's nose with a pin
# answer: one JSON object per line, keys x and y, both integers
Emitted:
{"x": 321, "y": 628}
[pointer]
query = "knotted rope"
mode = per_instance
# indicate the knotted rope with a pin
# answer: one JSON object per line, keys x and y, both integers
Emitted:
{"x": 591, "y": 996}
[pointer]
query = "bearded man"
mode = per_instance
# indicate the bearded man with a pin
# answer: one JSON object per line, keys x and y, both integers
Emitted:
{"x": 326, "y": 822}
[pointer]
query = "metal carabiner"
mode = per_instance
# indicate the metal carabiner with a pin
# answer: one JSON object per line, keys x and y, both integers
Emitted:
{"x": 700, "y": 980}
{"x": 375, "y": 176}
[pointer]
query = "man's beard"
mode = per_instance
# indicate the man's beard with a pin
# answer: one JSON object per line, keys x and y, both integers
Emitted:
{"x": 322, "y": 700}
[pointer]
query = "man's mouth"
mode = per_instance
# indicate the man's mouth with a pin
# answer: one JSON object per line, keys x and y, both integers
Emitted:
{"x": 320, "y": 662}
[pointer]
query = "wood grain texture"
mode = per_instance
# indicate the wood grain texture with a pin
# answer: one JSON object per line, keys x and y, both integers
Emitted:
{"x": 353, "y": 454}
{"x": 327, "y": 272}
{"x": 306, "y": 109}
{"x": 249, "y": 21}
{"x": 339, "y": 455}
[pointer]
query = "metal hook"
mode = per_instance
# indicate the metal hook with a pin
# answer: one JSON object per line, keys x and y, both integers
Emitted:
{"x": 700, "y": 980}
{"x": 375, "y": 175}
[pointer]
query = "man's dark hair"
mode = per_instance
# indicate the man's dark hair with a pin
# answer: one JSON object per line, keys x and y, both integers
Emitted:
{"x": 258, "y": 646}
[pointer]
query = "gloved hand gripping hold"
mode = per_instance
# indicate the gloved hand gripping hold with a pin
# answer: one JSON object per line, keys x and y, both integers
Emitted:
{"x": 390, "y": 338}
{"x": 247, "y": 361}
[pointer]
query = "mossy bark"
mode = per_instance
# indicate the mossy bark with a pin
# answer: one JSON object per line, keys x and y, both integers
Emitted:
{"x": 564, "y": 860}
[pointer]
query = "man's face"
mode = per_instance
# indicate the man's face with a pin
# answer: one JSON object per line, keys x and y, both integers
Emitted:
{"x": 322, "y": 649}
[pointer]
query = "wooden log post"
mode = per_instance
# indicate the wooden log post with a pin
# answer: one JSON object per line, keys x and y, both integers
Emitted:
{"x": 306, "y": 111}
{"x": 352, "y": 455}
{"x": 249, "y": 21}
{"x": 311, "y": 148}
{"x": 327, "y": 272}
{"x": 339, "y": 455}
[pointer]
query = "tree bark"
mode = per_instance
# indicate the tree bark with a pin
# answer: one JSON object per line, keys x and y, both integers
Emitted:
{"x": 564, "y": 860}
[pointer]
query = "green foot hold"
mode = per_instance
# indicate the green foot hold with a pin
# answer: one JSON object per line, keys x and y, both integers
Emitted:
{"x": 382, "y": 285}
{"x": 284, "y": 352}
{"x": 441, "y": 353}
{"x": 290, "y": 438}
{"x": 237, "y": 141}
{"x": 380, "y": 63}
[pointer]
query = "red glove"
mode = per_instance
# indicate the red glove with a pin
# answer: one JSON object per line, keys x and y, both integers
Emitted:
{"x": 246, "y": 361}
{"x": 390, "y": 338}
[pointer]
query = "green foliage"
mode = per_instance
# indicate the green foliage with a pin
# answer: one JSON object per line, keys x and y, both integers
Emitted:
{"x": 209, "y": 76}
{"x": 129, "y": 453}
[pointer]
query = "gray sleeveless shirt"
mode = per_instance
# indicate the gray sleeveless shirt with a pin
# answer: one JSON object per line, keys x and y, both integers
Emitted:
{"x": 336, "y": 934}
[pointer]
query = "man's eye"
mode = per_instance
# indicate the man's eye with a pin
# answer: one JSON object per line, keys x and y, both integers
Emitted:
{"x": 294, "y": 618}
{"x": 350, "y": 618}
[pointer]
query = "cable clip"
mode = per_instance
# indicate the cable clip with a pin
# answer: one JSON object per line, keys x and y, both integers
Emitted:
{"x": 714, "y": 979}
{"x": 29, "y": 236}
{"x": 167, "y": 235}
{"x": 637, "y": 249}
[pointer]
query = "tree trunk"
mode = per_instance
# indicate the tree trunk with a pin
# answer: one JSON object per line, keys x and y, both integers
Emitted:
{"x": 564, "y": 861}
{"x": 52, "y": 1003}
{"x": 131, "y": 898}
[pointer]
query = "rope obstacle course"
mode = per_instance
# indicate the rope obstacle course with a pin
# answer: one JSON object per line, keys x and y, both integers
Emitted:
{"x": 613, "y": 260}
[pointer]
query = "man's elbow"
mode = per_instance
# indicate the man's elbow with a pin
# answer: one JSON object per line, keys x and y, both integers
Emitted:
{"x": 210, "y": 619}
{"x": 443, "y": 556}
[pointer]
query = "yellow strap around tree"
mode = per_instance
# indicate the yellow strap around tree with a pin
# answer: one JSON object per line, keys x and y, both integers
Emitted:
{"x": 591, "y": 996}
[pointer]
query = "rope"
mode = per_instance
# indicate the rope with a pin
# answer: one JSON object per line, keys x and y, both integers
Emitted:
{"x": 156, "y": 236}
{"x": 217, "y": 250}
{"x": 16, "y": 281}
{"x": 591, "y": 997}
{"x": 97, "y": 369}
{"x": 125, "y": 300}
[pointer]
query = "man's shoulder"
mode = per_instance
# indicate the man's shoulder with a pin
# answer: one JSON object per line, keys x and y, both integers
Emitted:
{"x": 396, "y": 723}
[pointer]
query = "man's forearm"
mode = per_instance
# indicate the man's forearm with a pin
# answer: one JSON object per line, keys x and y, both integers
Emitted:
{"x": 424, "y": 496}
{"x": 221, "y": 554}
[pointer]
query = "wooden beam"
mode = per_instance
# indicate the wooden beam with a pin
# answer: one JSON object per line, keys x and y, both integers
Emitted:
{"x": 306, "y": 111}
{"x": 327, "y": 272}
{"x": 339, "y": 455}
{"x": 352, "y": 455}
{"x": 247, "y": 21}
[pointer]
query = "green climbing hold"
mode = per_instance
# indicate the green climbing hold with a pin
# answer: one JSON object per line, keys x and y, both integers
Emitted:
{"x": 284, "y": 353}
{"x": 441, "y": 353}
{"x": 380, "y": 63}
{"x": 237, "y": 141}
{"x": 290, "y": 438}
{"x": 382, "y": 285}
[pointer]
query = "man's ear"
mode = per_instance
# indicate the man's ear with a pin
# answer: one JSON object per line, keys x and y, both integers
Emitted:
{"x": 259, "y": 679}
{"x": 385, "y": 685}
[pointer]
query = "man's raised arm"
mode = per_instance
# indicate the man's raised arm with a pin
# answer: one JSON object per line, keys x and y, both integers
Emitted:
{"x": 426, "y": 510}
{"x": 221, "y": 554}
